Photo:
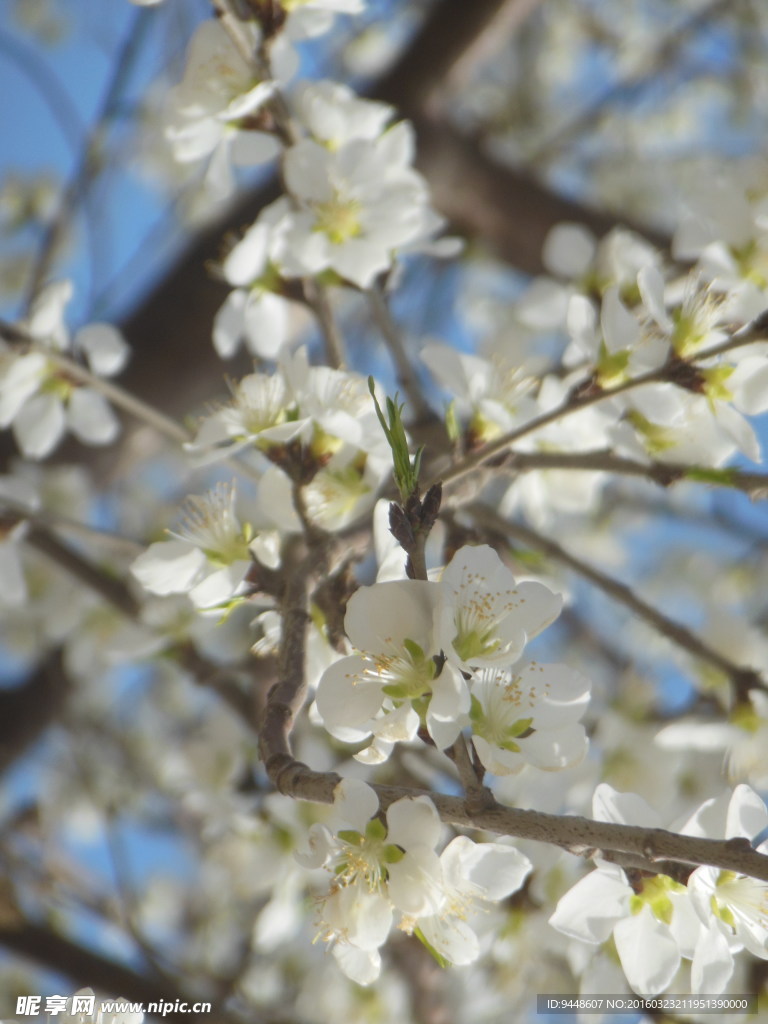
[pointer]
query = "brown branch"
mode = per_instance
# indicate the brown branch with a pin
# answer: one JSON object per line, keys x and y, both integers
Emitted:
{"x": 90, "y": 575}
{"x": 583, "y": 837}
{"x": 406, "y": 375}
{"x": 664, "y": 474}
{"x": 507, "y": 211}
{"x": 26, "y": 711}
{"x": 287, "y": 696}
{"x": 447, "y": 33}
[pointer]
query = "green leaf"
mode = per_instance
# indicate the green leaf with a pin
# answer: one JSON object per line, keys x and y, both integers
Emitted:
{"x": 406, "y": 471}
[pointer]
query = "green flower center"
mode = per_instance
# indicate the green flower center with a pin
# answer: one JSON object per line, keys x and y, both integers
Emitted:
{"x": 655, "y": 893}
{"x": 338, "y": 219}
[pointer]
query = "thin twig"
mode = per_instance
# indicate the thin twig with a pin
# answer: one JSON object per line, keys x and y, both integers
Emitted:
{"x": 315, "y": 294}
{"x": 317, "y": 298}
{"x": 648, "y": 71}
{"x": 135, "y": 407}
{"x": 56, "y": 524}
{"x": 478, "y": 795}
{"x": 662, "y": 473}
{"x": 88, "y": 165}
{"x": 654, "y": 848}
{"x": 589, "y": 394}
{"x": 406, "y": 376}
{"x": 96, "y": 579}
{"x": 286, "y": 698}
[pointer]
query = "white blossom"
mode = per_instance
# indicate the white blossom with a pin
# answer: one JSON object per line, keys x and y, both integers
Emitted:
{"x": 39, "y": 399}
{"x": 485, "y": 616}
{"x": 209, "y": 557}
{"x": 528, "y": 715}
{"x": 355, "y": 206}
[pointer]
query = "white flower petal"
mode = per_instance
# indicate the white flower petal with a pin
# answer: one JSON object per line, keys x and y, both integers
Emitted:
{"x": 414, "y": 882}
{"x": 228, "y": 324}
{"x": 648, "y": 953}
{"x": 592, "y": 907}
{"x": 413, "y": 822}
{"x": 38, "y": 427}
{"x": 169, "y": 567}
{"x": 380, "y": 617}
{"x": 622, "y": 808}
{"x": 220, "y": 586}
{"x": 361, "y": 966}
{"x": 91, "y": 418}
{"x": 452, "y": 938}
{"x": 105, "y": 348}
{"x": 346, "y": 701}
{"x": 713, "y": 962}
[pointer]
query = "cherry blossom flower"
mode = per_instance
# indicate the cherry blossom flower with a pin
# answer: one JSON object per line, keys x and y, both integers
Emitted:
{"x": 382, "y": 870}
{"x": 656, "y": 921}
{"x": 394, "y": 684}
{"x": 333, "y": 114}
{"x": 39, "y": 399}
{"x": 485, "y": 616}
{"x": 738, "y": 903}
{"x": 470, "y": 874}
{"x": 210, "y": 556}
{"x": 213, "y": 107}
{"x": 528, "y": 715}
{"x": 651, "y": 918}
{"x": 376, "y": 870}
{"x": 355, "y": 206}
{"x": 254, "y": 311}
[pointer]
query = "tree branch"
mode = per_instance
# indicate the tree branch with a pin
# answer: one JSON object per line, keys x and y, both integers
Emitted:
{"x": 580, "y": 836}
{"x": 664, "y": 474}
{"x": 589, "y": 393}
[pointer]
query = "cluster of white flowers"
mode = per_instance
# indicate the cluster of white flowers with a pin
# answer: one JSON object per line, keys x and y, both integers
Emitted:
{"x": 39, "y": 397}
{"x": 647, "y": 319}
{"x": 626, "y": 314}
{"x": 442, "y": 655}
{"x": 353, "y": 200}
{"x": 312, "y": 421}
{"x": 656, "y": 921}
{"x": 388, "y": 872}
{"x": 215, "y": 106}
{"x": 424, "y": 662}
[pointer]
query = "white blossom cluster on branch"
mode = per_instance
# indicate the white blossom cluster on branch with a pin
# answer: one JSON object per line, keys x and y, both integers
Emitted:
{"x": 361, "y": 578}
